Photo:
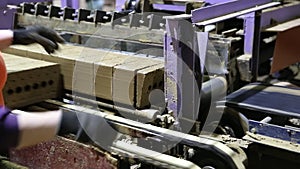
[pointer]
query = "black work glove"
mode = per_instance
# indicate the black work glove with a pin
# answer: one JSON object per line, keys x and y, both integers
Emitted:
{"x": 46, "y": 37}
{"x": 87, "y": 128}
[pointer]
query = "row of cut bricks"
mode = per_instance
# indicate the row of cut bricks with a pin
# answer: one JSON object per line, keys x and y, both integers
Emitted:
{"x": 112, "y": 76}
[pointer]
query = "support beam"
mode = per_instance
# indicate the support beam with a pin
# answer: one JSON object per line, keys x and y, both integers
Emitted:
{"x": 224, "y": 9}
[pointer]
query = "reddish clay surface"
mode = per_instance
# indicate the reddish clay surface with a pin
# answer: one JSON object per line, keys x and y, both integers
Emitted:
{"x": 62, "y": 153}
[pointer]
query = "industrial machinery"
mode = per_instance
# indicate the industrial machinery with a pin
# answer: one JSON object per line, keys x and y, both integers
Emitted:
{"x": 209, "y": 114}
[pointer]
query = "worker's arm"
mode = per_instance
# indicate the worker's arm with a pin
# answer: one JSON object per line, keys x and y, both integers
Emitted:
{"x": 20, "y": 129}
{"x": 46, "y": 37}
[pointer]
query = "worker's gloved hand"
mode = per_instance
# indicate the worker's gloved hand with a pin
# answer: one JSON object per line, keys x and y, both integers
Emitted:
{"x": 46, "y": 37}
{"x": 69, "y": 123}
{"x": 87, "y": 128}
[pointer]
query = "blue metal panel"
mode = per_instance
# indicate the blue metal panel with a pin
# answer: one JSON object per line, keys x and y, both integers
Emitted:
{"x": 237, "y": 14}
{"x": 120, "y": 4}
{"x": 273, "y": 100}
{"x": 216, "y": 1}
{"x": 70, "y": 3}
{"x": 7, "y": 18}
{"x": 3, "y": 4}
{"x": 282, "y": 14}
{"x": 172, "y": 69}
{"x": 249, "y": 33}
{"x": 224, "y": 8}
{"x": 270, "y": 130}
{"x": 168, "y": 7}
{"x": 182, "y": 66}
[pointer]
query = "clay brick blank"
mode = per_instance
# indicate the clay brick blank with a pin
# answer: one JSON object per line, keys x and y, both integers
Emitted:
{"x": 109, "y": 75}
{"x": 29, "y": 81}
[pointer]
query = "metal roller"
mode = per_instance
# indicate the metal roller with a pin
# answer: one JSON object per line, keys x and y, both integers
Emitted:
{"x": 211, "y": 91}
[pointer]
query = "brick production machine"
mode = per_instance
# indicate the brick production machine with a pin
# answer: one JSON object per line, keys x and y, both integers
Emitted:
{"x": 186, "y": 84}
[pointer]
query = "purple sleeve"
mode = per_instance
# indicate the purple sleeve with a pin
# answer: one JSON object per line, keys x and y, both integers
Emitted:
{"x": 9, "y": 130}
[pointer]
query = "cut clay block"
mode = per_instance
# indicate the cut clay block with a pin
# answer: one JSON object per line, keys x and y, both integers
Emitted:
{"x": 108, "y": 75}
{"x": 125, "y": 81}
{"x": 29, "y": 81}
{"x": 149, "y": 79}
{"x": 73, "y": 67}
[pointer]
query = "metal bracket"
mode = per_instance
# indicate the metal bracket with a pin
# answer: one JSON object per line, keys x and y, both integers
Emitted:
{"x": 41, "y": 10}
{"x": 55, "y": 11}
{"x": 119, "y": 18}
{"x": 69, "y": 13}
{"x": 28, "y": 8}
{"x": 102, "y": 17}
{"x": 85, "y": 15}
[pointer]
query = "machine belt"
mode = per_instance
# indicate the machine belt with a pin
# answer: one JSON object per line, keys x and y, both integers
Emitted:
{"x": 270, "y": 99}
{"x": 232, "y": 158}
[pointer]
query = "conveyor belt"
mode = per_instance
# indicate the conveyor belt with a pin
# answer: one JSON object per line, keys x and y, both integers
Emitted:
{"x": 276, "y": 100}
{"x": 232, "y": 159}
